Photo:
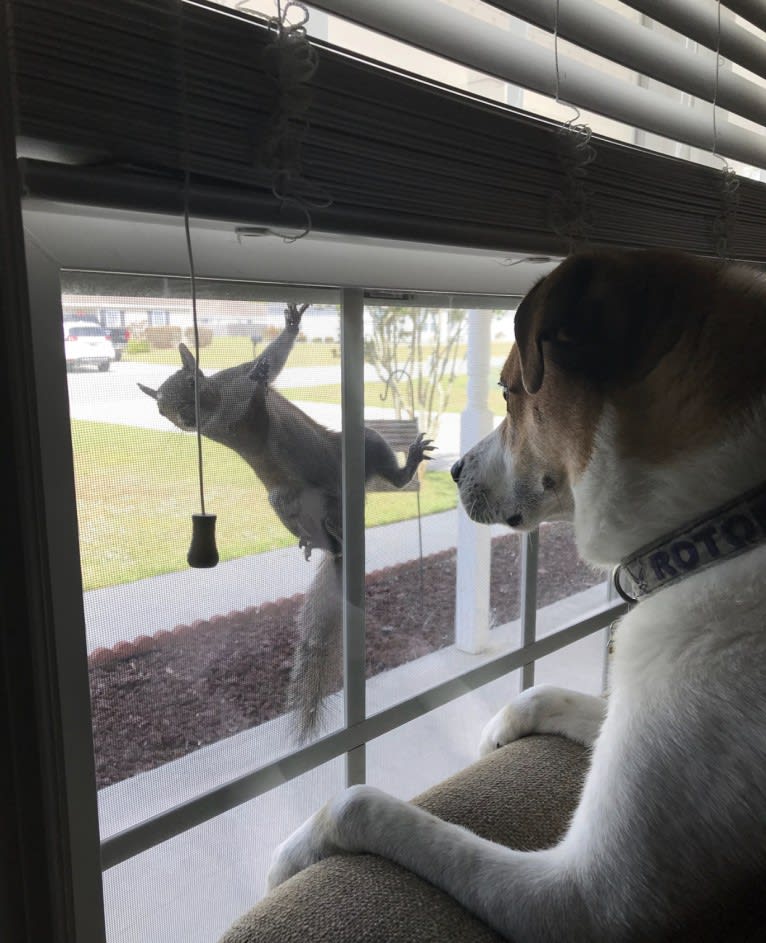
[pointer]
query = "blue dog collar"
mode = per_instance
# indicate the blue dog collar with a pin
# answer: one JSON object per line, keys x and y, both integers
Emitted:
{"x": 726, "y": 532}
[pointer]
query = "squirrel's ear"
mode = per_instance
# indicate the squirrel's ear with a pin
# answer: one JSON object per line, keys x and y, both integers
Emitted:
{"x": 187, "y": 359}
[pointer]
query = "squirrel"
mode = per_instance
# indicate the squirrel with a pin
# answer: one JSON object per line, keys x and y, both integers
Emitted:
{"x": 299, "y": 463}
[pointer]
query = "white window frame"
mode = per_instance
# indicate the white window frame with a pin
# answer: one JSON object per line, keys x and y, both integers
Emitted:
{"x": 45, "y": 265}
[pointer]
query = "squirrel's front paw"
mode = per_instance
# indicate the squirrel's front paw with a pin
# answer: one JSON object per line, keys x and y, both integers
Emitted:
{"x": 293, "y": 315}
{"x": 420, "y": 447}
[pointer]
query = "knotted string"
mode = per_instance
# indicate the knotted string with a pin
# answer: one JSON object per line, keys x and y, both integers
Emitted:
{"x": 291, "y": 61}
{"x": 728, "y": 186}
{"x": 571, "y": 217}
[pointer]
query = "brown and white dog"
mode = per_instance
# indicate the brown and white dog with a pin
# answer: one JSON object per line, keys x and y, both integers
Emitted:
{"x": 636, "y": 398}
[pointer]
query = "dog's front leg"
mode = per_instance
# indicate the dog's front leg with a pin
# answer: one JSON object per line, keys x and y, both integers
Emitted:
{"x": 514, "y": 892}
{"x": 545, "y": 709}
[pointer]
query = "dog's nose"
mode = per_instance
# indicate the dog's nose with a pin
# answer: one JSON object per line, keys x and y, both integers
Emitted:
{"x": 456, "y": 469}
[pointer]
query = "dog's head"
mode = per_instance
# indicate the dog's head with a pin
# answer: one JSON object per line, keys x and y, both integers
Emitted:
{"x": 608, "y": 388}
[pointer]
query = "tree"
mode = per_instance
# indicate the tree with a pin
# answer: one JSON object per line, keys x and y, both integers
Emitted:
{"x": 415, "y": 353}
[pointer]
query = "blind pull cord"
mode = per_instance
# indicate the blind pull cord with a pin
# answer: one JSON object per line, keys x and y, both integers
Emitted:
{"x": 203, "y": 552}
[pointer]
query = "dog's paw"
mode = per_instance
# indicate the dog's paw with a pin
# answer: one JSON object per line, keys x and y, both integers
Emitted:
{"x": 545, "y": 709}
{"x": 339, "y": 826}
{"x": 526, "y": 714}
{"x": 308, "y": 844}
{"x": 505, "y": 727}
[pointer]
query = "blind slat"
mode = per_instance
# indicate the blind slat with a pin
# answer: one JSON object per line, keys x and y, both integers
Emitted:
{"x": 439, "y": 28}
{"x": 596, "y": 28}
{"x": 754, "y": 11}
{"x": 699, "y": 22}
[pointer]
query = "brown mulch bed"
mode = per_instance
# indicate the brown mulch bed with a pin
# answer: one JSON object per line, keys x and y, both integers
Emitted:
{"x": 164, "y": 696}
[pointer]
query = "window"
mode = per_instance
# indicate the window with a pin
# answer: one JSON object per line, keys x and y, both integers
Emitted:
{"x": 158, "y": 317}
{"x": 189, "y": 670}
{"x": 111, "y": 317}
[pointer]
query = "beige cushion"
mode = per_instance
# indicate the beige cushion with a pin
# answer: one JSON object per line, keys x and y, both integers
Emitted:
{"x": 522, "y": 796}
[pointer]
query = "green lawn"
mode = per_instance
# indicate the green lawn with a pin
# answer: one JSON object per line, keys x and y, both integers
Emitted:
{"x": 137, "y": 489}
{"x": 330, "y": 393}
{"x": 228, "y": 351}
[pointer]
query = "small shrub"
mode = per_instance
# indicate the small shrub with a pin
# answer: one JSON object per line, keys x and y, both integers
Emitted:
{"x": 205, "y": 336}
{"x": 137, "y": 346}
{"x": 271, "y": 332}
{"x": 164, "y": 337}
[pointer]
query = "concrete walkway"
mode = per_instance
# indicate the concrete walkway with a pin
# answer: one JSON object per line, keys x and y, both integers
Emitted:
{"x": 122, "y": 613}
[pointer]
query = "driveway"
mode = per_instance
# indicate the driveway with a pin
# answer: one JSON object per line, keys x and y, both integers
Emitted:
{"x": 115, "y": 397}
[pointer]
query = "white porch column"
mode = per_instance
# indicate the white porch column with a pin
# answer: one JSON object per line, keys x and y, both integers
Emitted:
{"x": 473, "y": 540}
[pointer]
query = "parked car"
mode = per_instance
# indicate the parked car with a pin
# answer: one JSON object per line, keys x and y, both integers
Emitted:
{"x": 86, "y": 342}
{"x": 119, "y": 337}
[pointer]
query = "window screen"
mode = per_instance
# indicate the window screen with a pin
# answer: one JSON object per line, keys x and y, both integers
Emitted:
{"x": 184, "y": 658}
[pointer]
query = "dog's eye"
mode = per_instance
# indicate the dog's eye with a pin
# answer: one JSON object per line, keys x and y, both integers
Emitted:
{"x": 510, "y": 390}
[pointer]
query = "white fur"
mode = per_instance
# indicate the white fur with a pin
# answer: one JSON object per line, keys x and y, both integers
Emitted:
{"x": 621, "y": 505}
{"x": 545, "y": 709}
{"x": 495, "y": 487}
{"x": 673, "y": 811}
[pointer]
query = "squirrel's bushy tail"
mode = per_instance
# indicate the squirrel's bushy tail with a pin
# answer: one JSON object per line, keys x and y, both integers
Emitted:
{"x": 316, "y": 668}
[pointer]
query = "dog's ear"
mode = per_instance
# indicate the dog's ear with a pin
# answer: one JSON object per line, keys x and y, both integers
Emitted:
{"x": 608, "y": 316}
{"x": 549, "y": 321}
